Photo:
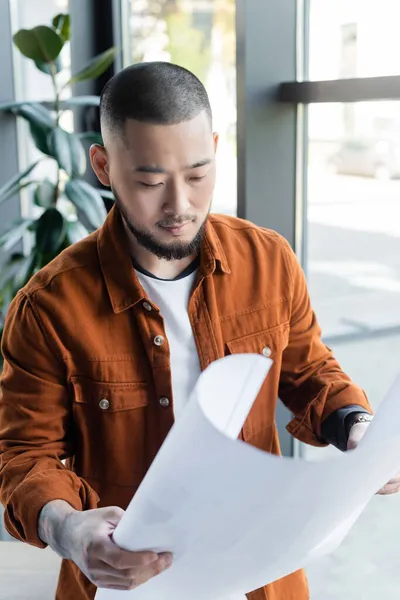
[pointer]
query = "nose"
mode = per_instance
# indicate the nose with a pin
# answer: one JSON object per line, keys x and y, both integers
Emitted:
{"x": 177, "y": 201}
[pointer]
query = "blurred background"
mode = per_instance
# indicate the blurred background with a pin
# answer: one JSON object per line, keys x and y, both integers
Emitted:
{"x": 306, "y": 98}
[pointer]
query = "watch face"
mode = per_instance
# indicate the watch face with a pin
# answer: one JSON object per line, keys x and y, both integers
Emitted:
{"x": 355, "y": 418}
{"x": 363, "y": 419}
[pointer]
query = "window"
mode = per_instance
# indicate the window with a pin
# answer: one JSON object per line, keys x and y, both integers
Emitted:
{"x": 352, "y": 238}
{"x": 32, "y": 85}
{"x": 354, "y": 38}
{"x": 199, "y": 35}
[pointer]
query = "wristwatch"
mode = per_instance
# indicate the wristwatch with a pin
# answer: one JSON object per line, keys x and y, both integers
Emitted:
{"x": 354, "y": 418}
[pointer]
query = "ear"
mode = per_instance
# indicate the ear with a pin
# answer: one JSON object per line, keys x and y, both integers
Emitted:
{"x": 216, "y": 140}
{"x": 100, "y": 163}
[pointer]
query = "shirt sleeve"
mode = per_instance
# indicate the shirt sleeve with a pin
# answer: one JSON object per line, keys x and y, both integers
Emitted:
{"x": 312, "y": 384}
{"x": 35, "y": 432}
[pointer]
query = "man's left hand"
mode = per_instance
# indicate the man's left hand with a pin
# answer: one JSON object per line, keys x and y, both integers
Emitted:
{"x": 356, "y": 434}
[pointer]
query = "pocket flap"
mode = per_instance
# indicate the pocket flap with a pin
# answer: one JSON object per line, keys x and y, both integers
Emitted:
{"x": 269, "y": 343}
{"x": 109, "y": 397}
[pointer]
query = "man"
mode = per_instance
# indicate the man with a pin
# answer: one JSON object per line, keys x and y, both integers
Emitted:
{"x": 104, "y": 345}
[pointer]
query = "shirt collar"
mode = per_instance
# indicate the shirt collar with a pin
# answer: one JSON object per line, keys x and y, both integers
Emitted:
{"x": 213, "y": 256}
{"x": 119, "y": 275}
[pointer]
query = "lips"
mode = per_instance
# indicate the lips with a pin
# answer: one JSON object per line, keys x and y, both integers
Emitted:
{"x": 176, "y": 229}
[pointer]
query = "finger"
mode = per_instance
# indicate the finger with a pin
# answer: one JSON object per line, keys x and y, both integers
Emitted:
{"x": 104, "y": 580}
{"x": 103, "y": 574}
{"x": 112, "y": 514}
{"x": 120, "y": 559}
{"x": 394, "y": 481}
{"x": 387, "y": 490}
{"x": 153, "y": 570}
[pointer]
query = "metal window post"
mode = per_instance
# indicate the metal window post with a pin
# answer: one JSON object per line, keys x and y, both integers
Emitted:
{"x": 9, "y": 166}
{"x": 266, "y": 56}
{"x": 11, "y": 209}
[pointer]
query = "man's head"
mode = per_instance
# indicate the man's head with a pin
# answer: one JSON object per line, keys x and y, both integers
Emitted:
{"x": 158, "y": 155}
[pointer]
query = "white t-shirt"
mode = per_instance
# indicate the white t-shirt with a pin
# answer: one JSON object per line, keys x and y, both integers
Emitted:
{"x": 172, "y": 298}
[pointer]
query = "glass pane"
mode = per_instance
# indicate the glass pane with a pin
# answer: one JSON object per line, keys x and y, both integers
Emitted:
{"x": 353, "y": 266}
{"x": 200, "y": 36}
{"x": 33, "y": 85}
{"x": 354, "y": 38}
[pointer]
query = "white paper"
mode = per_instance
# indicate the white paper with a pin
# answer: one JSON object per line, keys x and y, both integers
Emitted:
{"x": 234, "y": 517}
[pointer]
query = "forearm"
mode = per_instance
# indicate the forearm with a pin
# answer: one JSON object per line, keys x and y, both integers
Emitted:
{"x": 52, "y": 526}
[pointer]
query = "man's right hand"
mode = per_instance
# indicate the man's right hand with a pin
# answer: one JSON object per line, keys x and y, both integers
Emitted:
{"x": 86, "y": 539}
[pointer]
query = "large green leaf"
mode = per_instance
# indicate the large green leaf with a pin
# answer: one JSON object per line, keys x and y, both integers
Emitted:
{"x": 45, "y": 194}
{"x": 14, "y": 234}
{"x": 50, "y": 233}
{"x": 81, "y": 101}
{"x": 14, "y": 191}
{"x": 10, "y": 268}
{"x": 14, "y": 104}
{"x": 107, "y": 194}
{"x": 62, "y": 24}
{"x": 25, "y": 271}
{"x": 88, "y": 202}
{"x": 92, "y": 137}
{"x": 35, "y": 113}
{"x": 42, "y": 138}
{"x": 14, "y": 275}
{"x": 41, "y": 43}
{"x": 68, "y": 151}
{"x": 95, "y": 67}
{"x": 7, "y": 293}
{"x": 14, "y": 181}
{"x": 47, "y": 67}
{"x": 76, "y": 232}
{"x": 78, "y": 155}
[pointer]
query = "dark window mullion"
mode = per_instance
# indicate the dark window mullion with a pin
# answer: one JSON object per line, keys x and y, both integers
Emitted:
{"x": 340, "y": 90}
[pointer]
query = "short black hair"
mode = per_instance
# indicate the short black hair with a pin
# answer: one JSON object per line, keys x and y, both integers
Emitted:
{"x": 152, "y": 92}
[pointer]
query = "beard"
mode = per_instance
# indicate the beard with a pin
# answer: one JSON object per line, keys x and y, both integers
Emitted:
{"x": 173, "y": 251}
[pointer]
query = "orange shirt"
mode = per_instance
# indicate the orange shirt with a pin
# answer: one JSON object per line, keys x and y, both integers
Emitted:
{"x": 87, "y": 363}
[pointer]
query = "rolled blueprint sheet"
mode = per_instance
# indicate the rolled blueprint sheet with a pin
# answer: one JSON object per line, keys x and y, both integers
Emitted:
{"x": 234, "y": 517}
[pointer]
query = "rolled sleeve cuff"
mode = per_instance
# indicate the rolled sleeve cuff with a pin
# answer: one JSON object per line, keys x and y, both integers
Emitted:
{"x": 334, "y": 429}
{"x": 308, "y": 428}
{"x": 23, "y": 509}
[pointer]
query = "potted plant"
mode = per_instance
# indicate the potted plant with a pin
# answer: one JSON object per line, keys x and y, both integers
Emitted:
{"x": 68, "y": 208}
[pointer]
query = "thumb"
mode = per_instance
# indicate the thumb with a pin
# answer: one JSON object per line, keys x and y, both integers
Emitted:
{"x": 357, "y": 433}
{"x": 113, "y": 514}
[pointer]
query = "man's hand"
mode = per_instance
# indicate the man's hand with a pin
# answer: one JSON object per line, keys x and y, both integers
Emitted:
{"x": 85, "y": 538}
{"x": 356, "y": 434}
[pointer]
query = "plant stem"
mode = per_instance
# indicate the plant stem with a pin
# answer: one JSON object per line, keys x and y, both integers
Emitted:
{"x": 57, "y": 103}
{"x": 57, "y": 106}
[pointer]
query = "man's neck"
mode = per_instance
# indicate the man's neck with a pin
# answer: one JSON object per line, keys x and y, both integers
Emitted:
{"x": 160, "y": 268}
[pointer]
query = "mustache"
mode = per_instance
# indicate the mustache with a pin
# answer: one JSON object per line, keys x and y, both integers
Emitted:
{"x": 176, "y": 220}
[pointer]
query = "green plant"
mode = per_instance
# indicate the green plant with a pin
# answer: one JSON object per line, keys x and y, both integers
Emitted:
{"x": 67, "y": 208}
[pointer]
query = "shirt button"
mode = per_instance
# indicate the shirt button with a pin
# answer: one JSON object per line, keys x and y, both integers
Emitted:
{"x": 159, "y": 340}
{"x": 164, "y": 402}
{"x": 266, "y": 351}
{"x": 104, "y": 404}
{"x": 147, "y": 306}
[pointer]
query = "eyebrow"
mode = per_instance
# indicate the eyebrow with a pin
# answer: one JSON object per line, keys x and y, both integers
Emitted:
{"x": 155, "y": 169}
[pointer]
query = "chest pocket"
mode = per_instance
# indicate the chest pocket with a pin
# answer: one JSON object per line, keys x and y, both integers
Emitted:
{"x": 270, "y": 343}
{"x": 109, "y": 430}
{"x": 259, "y": 428}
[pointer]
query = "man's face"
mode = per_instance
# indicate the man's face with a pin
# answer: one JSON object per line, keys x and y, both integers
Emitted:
{"x": 163, "y": 178}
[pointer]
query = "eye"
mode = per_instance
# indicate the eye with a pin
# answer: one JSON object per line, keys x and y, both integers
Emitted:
{"x": 150, "y": 185}
{"x": 196, "y": 179}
